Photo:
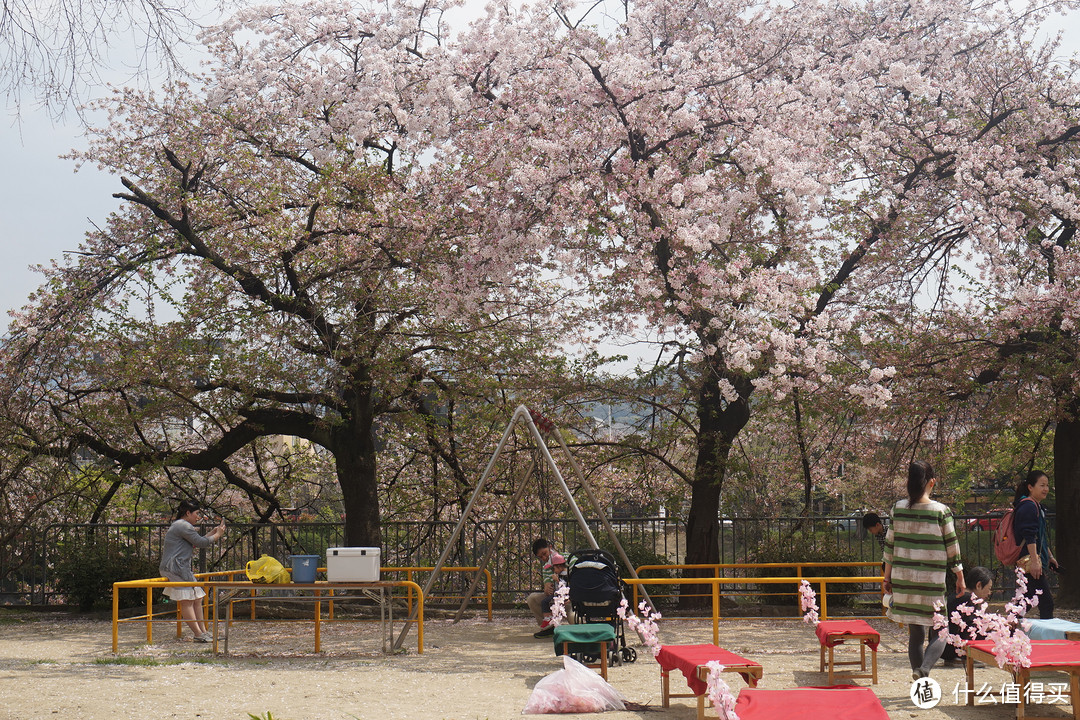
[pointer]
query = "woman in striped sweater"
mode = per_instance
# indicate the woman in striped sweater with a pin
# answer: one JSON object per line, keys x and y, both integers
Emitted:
{"x": 920, "y": 548}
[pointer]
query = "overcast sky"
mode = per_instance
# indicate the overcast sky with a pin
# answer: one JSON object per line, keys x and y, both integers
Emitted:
{"x": 46, "y": 207}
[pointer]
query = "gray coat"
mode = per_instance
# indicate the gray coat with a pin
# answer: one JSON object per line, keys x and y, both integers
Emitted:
{"x": 180, "y": 540}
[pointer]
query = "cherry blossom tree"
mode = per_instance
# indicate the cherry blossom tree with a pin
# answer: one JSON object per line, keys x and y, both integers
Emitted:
{"x": 1026, "y": 353}
{"x": 348, "y": 205}
{"x": 300, "y": 249}
{"x": 998, "y": 368}
{"x": 743, "y": 180}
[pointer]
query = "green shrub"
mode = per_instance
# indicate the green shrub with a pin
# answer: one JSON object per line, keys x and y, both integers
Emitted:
{"x": 804, "y": 548}
{"x": 85, "y": 574}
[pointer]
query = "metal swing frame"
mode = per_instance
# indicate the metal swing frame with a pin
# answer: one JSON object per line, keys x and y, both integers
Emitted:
{"x": 530, "y": 420}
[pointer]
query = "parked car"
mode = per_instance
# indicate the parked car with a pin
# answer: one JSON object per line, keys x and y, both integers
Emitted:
{"x": 851, "y": 521}
{"x": 989, "y": 521}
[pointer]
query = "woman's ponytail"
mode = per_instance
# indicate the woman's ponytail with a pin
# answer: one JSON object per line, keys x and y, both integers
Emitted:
{"x": 919, "y": 475}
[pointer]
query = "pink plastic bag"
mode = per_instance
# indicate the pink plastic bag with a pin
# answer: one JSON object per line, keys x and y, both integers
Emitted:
{"x": 574, "y": 689}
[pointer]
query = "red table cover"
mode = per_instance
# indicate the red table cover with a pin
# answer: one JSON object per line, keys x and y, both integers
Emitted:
{"x": 686, "y": 658}
{"x": 1044, "y": 653}
{"x": 839, "y": 703}
{"x": 827, "y": 628}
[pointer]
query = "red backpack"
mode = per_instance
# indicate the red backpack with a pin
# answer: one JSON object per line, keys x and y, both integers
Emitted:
{"x": 1006, "y": 544}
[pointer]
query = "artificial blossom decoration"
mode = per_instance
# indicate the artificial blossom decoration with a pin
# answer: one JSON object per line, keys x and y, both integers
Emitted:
{"x": 808, "y": 603}
{"x": 719, "y": 692}
{"x": 1012, "y": 646}
{"x": 645, "y": 626}
{"x": 558, "y": 604}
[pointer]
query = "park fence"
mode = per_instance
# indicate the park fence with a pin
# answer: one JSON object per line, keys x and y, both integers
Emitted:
{"x": 31, "y": 568}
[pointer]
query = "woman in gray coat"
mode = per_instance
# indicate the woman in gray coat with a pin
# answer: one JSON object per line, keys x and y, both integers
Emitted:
{"x": 181, "y": 539}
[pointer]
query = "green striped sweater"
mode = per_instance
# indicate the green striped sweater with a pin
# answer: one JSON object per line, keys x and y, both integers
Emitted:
{"x": 921, "y": 546}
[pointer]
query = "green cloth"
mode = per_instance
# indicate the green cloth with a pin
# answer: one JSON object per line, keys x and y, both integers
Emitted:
{"x": 583, "y": 638}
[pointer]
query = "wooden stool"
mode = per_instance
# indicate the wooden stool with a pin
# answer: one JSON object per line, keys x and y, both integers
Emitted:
{"x": 692, "y": 661}
{"x": 586, "y": 638}
{"x": 1046, "y": 655}
{"x": 835, "y": 632}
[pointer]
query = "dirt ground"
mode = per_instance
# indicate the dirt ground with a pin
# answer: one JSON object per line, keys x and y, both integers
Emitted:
{"x": 63, "y": 666}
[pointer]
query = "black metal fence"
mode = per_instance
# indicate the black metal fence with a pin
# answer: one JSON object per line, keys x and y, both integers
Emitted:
{"x": 28, "y": 568}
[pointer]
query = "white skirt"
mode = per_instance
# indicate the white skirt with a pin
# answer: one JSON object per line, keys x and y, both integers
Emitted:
{"x": 185, "y": 593}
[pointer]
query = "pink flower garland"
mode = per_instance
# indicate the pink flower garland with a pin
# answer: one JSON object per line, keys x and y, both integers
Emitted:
{"x": 808, "y": 603}
{"x": 1012, "y": 646}
{"x": 645, "y": 626}
{"x": 558, "y": 604}
{"x": 719, "y": 692}
{"x": 649, "y": 632}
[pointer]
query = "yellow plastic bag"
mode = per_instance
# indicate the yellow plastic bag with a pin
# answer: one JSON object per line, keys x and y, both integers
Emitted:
{"x": 267, "y": 570}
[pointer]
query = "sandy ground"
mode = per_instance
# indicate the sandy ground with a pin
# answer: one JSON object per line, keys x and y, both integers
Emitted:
{"x": 62, "y": 666}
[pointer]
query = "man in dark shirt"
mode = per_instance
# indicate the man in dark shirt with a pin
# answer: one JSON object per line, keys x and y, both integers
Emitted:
{"x": 873, "y": 524}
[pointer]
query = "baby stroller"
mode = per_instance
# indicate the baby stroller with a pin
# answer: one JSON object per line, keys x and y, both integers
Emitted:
{"x": 596, "y": 591}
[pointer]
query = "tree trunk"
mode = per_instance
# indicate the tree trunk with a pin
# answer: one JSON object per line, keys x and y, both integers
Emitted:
{"x": 103, "y": 504}
{"x": 1067, "y": 495}
{"x": 354, "y": 455}
{"x": 719, "y": 423}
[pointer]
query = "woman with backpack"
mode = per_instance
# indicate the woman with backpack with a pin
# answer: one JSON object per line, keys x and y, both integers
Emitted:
{"x": 920, "y": 548}
{"x": 1029, "y": 527}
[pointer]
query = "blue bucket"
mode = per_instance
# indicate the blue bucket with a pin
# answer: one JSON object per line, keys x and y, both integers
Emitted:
{"x": 304, "y": 567}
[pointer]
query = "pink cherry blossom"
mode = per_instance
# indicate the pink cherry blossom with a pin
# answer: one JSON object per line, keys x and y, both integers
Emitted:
{"x": 1012, "y": 646}
{"x": 645, "y": 625}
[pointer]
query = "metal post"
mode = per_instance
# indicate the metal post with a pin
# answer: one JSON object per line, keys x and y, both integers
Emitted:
{"x": 542, "y": 446}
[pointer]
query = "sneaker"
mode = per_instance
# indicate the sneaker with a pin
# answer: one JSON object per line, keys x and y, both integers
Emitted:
{"x": 204, "y": 638}
{"x": 546, "y": 630}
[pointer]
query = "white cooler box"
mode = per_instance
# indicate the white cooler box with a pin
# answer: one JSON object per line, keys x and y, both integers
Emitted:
{"x": 353, "y": 564}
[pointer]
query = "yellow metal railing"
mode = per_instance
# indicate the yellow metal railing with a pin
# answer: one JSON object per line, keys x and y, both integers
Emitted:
{"x": 409, "y": 576}
{"x": 410, "y": 595}
{"x": 718, "y": 567}
{"x": 716, "y": 582}
{"x": 204, "y": 580}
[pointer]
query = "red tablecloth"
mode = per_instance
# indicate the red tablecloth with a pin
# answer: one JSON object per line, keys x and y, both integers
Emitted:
{"x": 686, "y": 658}
{"x": 1044, "y": 653}
{"x": 826, "y": 629}
{"x": 841, "y": 703}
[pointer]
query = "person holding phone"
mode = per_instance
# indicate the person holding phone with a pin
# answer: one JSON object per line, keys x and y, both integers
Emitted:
{"x": 181, "y": 539}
